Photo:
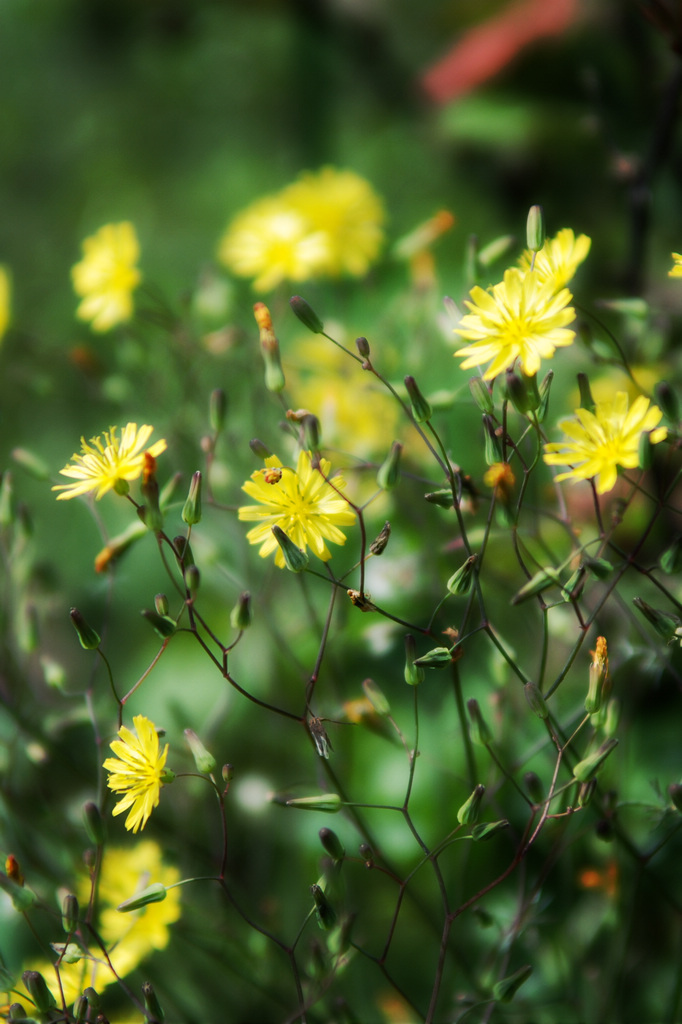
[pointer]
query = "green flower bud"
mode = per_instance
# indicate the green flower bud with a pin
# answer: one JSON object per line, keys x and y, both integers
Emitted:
{"x": 586, "y": 792}
{"x": 94, "y": 823}
{"x": 536, "y": 701}
{"x": 332, "y": 844}
{"x": 470, "y": 809}
{"x": 491, "y": 442}
{"x": 544, "y": 390}
{"x": 191, "y": 512}
{"x": 154, "y": 893}
{"x": 36, "y": 987}
{"x": 495, "y": 250}
{"x": 534, "y": 787}
{"x": 442, "y": 498}
{"x": 80, "y": 1009}
{"x": 89, "y": 639}
{"x": 152, "y": 1005}
{"x": 421, "y": 410}
{"x": 586, "y": 399}
{"x": 572, "y": 589}
{"x": 460, "y": 582}
{"x": 481, "y": 394}
{"x": 611, "y": 718}
{"x": 324, "y": 912}
{"x": 16, "y": 1012}
{"x": 70, "y": 912}
{"x": 362, "y": 345}
{"x": 667, "y": 400}
{"x": 68, "y": 952}
{"x": 217, "y": 409}
{"x": 21, "y": 896}
{"x": 150, "y": 513}
{"x": 486, "y": 830}
{"x": 204, "y": 760}
{"x": 192, "y": 578}
{"x": 161, "y": 604}
{"x": 600, "y": 568}
{"x": 329, "y": 803}
{"x": 367, "y": 854}
{"x": 240, "y": 616}
{"x": 389, "y": 471}
{"x": 671, "y": 559}
{"x": 535, "y": 229}
{"x": 479, "y": 730}
{"x": 505, "y": 990}
{"x": 522, "y": 391}
{"x": 92, "y": 996}
{"x": 163, "y": 625}
{"x": 542, "y": 580}
{"x": 378, "y": 545}
{"x": 665, "y": 623}
{"x": 376, "y": 697}
{"x": 413, "y": 673}
{"x": 259, "y": 448}
{"x": 437, "y": 657}
{"x": 589, "y": 766}
{"x": 269, "y": 346}
{"x": 306, "y": 314}
{"x": 295, "y": 558}
{"x": 311, "y": 434}
{"x": 227, "y": 772}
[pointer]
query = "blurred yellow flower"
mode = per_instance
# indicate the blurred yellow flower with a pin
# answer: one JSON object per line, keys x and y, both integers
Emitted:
{"x": 300, "y": 502}
{"x": 105, "y": 465}
{"x": 677, "y": 265}
{"x": 559, "y": 258}
{"x": 137, "y": 772}
{"x": 519, "y": 318}
{"x": 600, "y": 441}
{"x": 4, "y": 301}
{"x": 128, "y": 938}
{"x": 107, "y": 276}
{"x": 324, "y": 224}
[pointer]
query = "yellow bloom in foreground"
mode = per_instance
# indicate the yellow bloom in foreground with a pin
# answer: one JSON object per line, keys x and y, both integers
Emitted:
{"x": 129, "y": 938}
{"x": 559, "y": 258}
{"x": 677, "y": 266}
{"x": 109, "y": 464}
{"x": 138, "y": 772}
{"x": 519, "y": 318}
{"x": 300, "y": 502}
{"x": 4, "y": 301}
{"x": 107, "y": 276}
{"x": 600, "y": 441}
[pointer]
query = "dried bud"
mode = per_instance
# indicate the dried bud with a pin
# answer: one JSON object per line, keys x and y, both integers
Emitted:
{"x": 306, "y": 314}
{"x": 378, "y": 545}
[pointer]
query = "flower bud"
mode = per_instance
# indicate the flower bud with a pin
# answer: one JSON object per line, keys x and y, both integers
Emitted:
{"x": 505, "y": 990}
{"x": 92, "y": 996}
{"x": 536, "y": 701}
{"x": 163, "y": 625}
{"x": 378, "y": 545}
{"x": 227, "y": 772}
{"x": 666, "y": 399}
{"x": 324, "y": 912}
{"x": 481, "y": 394}
{"x": 94, "y": 823}
{"x": 68, "y": 952}
{"x": 269, "y": 346}
{"x": 306, "y": 314}
{"x": 295, "y": 558}
{"x": 494, "y": 250}
{"x": 437, "y": 657}
{"x": 362, "y": 345}
{"x": 13, "y": 870}
{"x": 413, "y": 673}
{"x": 6, "y": 510}
{"x": 544, "y": 390}
{"x": 332, "y": 844}
{"x": 491, "y": 442}
{"x": 599, "y": 671}
{"x": 589, "y": 766}
{"x": 89, "y": 639}
{"x": 150, "y": 513}
{"x": 16, "y": 1012}
{"x": 421, "y": 409}
{"x": 442, "y": 497}
{"x": 192, "y": 578}
{"x": 36, "y": 987}
{"x": 586, "y": 792}
{"x": 204, "y": 760}
{"x": 183, "y": 551}
{"x": 367, "y": 854}
{"x": 460, "y": 582}
{"x": 534, "y": 787}
{"x": 21, "y": 896}
{"x": 542, "y": 580}
{"x": 217, "y": 409}
{"x": 522, "y": 391}
{"x": 535, "y": 229}
{"x": 161, "y": 604}
{"x": 479, "y": 729}
{"x": 376, "y": 697}
{"x": 486, "y": 830}
{"x": 311, "y": 435}
{"x": 70, "y": 912}
{"x": 611, "y": 717}
{"x": 154, "y": 893}
{"x": 240, "y": 616}
{"x": 600, "y": 568}
{"x": 155, "y": 1013}
{"x": 329, "y": 803}
{"x": 389, "y": 471}
{"x": 665, "y": 623}
{"x": 671, "y": 559}
{"x": 469, "y": 811}
{"x": 259, "y": 448}
{"x": 191, "y": 512}
{"x": 586, "y": 399}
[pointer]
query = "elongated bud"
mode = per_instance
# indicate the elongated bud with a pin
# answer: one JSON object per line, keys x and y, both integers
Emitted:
{"x": 664, "y": 623}
{"x": 259, "y": 448}
{"x": 183, "y": 551}
{"x": 6, "y": 509}
{"x": 94, "y": 1001}
{"x": 536, "y": 701}
{"x": 36, "y": 987}
{"x": 495, "y": 250}
{"x": 240, "y": 616}
{"x": 217, "y": 409}
{"x": 478, "y": 729}
{"x": 378, "y": 545}
{"x": 163, "y": 625}
{"x": 589, "y": 766}
{"x": 522, "y": 391}
{"x": 534, "y": 787}
{"x": 94, "y": 823}
{"x": 460, "y": 582}
{"x": 377, "y": 698}
{"x": 150, "y": 513}
{"x": 324, "y": 912}
{"x": 421, "y": 409}
{"x": 192, "y": 578}
{"x": 667, "y": 400}
{"x": 544, "y": 390}
{"x": 203, "y": 759}
{"x": 161, "y": 604}
{"x": 70, "y": 912}
{"x": 306, "y": 314}
{"x": 295, "y": 558}
{"x": 586, "y": 399}
{"x": 413, "y": 673}
{"x": 329, "y": 803}
{"x": 600, "y": 568}
{"x": 154, "y": 893}
{"x": 599, "y": 670}
{"x": 269, "y": 346}
{"x": 505, "y": 990}
{"x": 332, "y": 844}
{"x": 362, "y": 345}
{"x": 17, "y": 1012}
{"x": 542, "y": 580}
{"x": 191, "y": 512}
{"x": 535, "y": 229}
{"x": 671, "y": 559}
{"x": 442, "y": 498}
{"x": 470, "y": 809}
{"x": 155, "y": 1013}
{"x": 481, "y": 394}
{"x": 487, "y": 829}
{"x": 388, "y": 475}
{"x": 586, "y": 792}
{"x": 491, "y": 442}
{"x": 437, "y": 657}
{"x": 89, "y": 639}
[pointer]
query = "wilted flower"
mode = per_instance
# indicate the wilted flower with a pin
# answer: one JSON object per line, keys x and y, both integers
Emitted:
{"x": 600, "y": 441}
{"x": 107, "y": 276}
{"x": 301, "y": 502}
{"x": 137, "y": 772}
{"x": 111, "y": 463}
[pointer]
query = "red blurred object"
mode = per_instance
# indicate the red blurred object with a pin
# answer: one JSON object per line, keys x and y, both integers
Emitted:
{"x": 484, "y": 50}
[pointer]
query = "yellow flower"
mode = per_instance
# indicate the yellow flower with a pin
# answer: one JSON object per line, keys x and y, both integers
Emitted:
{"x": 519, "y": 318}
{"x": 300, "y": 502}
{"x": 4, "y": 301}
{"x": 103, "y": 465}
{"x": 324, "y": 224}
{"x": 600, "y": 441}
{"x": 107, "y": 276}
{"x": 138, "y": 772}
{"x": 128, "y": 938}
{"x": 559, "y": 258}
{"x": 677, "y": 267}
